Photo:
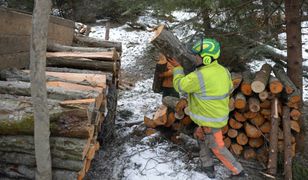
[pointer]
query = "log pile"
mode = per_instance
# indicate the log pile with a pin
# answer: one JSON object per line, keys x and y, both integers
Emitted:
{"x": 79, "y": 102}
{"x": 263, "y": 119}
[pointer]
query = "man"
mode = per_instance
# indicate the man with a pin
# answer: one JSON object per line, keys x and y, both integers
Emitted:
{"x": 208, "y": 89}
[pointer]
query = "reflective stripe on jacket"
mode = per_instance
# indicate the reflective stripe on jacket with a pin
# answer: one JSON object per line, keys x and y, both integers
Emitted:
{"x": 208, "y": 90}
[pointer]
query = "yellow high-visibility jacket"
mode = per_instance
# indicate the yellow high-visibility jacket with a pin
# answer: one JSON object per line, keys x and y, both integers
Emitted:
{"x": 208, "y": 89}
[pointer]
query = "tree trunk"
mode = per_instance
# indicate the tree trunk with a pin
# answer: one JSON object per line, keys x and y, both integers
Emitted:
{"x": 54, "y": 47}
{"x": 272, "y": 160}
{"x": 38, "y": 48}
{"x": 93, "y": 42}
{"x": 260, "y": 82}
{"x": 287, "y": 143}
{"x": 171, "y": 46}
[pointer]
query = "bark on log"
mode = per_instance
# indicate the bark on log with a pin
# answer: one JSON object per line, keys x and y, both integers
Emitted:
{"x": 249, "y": 154}
{"x": 254, "y": 104}
{"x": 272, "y": 160}
{"x": 170, "y": 101}
{"x": 83, "y": 63}
{"x": 171, "y": 46}
{"x": 240, "y": 101}
{"x": 93, "y": 42}
{"x": 54, "y": 47}
{"x": 279, "y": 72}
{"x": 252, "y": 131}
{"x": 23, "y": 89}
{"x": 287, "y": 143}
{"x": 161, "y": 67}
{"x": 261, "y": 80}
{"x": 242, "y": 139}
{"x": 236, "y": 79}
{"x": 246, "y": 84}
{"x": 29, "y": 160}
{"x": 275, "y": 85}
{"x": 60, "y": 147}
{"x": 17, "y": 119}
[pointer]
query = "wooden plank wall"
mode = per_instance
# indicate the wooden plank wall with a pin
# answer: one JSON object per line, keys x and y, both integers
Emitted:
{"x": 15, "y": 31}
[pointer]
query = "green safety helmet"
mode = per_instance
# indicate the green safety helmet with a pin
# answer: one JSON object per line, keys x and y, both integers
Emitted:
{"x": 208, "y": 49}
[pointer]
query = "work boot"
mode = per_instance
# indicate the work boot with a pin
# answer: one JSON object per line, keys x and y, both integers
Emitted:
{"x": 210, "y": 171}
{"x": 241, "y": 176}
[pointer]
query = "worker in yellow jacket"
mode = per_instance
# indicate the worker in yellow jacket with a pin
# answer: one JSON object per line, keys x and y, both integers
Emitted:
{"x": 208, "y": 89}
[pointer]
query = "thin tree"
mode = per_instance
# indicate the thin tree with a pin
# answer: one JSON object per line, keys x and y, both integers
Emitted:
{"x": 40, "y": 22}
{"x": 294, "y": 51}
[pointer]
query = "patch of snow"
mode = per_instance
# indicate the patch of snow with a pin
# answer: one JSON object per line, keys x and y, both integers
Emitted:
{"x": 183, "y": 16}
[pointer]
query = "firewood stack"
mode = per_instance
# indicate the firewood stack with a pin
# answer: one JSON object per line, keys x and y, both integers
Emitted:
{"x": 77, "y": 101}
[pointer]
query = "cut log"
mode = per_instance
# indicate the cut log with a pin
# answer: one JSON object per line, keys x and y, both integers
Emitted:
{"x": 150, "y": 131}
{"x": 265, "y": 104}
{"x": 263, "y": 95}
{"x": 227, "y": 142}
{"x": 266, "y": 127}
{"x": 242, "y": 139}
{"x": 171, "y": 46}
{"x": 262, "y": 154}
{"x": 83, "y": 63}
{"x": 17, "y": 119}
{"x": 101, "y": 56}
{"x": 69, "y": 86}
{"x": 29, "y": 160}
{"x": 250, "y": 114}
{"x": 236, "y": 149}
{"x": 240, "y": 101}
{"x": 275, "y": 85}
{"x": 60, "y": 147}
{"x": 232, "y": 133}
{"x": 160, "y": 116}
{"x": 295, "y": 114}
{"x": 265, "y": 112}
{"x": 235, "y": 124}
{"x": 161, "y": 67}
{"x": 186, "y": 121}
{"x": 256, "y": 142}
{"x": 176, "y": 126}
{"x": 261, "y": 79}
{"x": 258, "y": 120}
{"x": 170, "y": 102}
{"x": 94, "y": 42}
{"x": 287, "y": 143}
{"x": 249, "y": 154}
{"x": 79, "y": 102}
{"x": 180, "y": 106}
{"x": 54, "y": 47}
{"x": 272, "y": 160}
{"x": 225, "y": 129}
{"x": 279, "y": 72}
{"x": 295, "y": 126}
{"x": 171, "y": 119}
{"x": 254, "y": 104}
{"x": 231, "y": 104}
{"x": 149, "y": 122}
{"x": 252, "y": 131}
{"x": 246, "y": 84}
{"x": 240, "y": 117}
{"x": 236, "y": 79}
{"x": 23, "y": 89}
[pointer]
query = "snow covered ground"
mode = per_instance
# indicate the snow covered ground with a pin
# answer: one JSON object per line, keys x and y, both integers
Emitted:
{"x": 149, "y": 159}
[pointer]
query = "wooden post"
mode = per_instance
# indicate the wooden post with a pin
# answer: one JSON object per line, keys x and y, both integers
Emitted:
{"x": 272, "y": 159}
{"x": 107, "y": 30}
{"x": 287, "y": 143}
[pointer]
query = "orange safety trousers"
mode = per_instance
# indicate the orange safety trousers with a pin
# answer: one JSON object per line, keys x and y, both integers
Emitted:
{"x": 211, "y": 138}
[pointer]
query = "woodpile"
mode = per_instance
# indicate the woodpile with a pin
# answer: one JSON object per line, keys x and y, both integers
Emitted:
{"x": 80, "y": 102}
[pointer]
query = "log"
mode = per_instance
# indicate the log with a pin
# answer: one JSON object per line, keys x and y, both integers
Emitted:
{"x": 265, "y": 104}
{"x": 69, "y": 86}
{"x": 295, "y": 114}
{"x": 161, "y": 66}
{"x": 17, "y": 119}
{"x": 232, "y": 133}
{"x": 250, "y": 114}
{"x": 263, "y": 95}
{"x": 160, "y": 116}
{"x": 231, "y": 104}
{"x": 227, "y": 142}
{"x": 225, "y": 129}
{"x": 279, "y": 72}
{"x": 236, "y": 79}
{"x": 100, "y": 56}
{"x": 176, "y": 126}
{"x": 235, "y": 124}
{"x": 236, "y": 149}
{"x": 60, "y": 147}
{"x": 180, "y": 106}
{"x": 266, "y": 127}
{"x": 249, "y": 154}
{"x": 23, "y": 89}
{"x": 26, "y": 172}
{"x": 170, "y": 102}
{"x": 246, "y": 83}
{"x": 256, "y": 142}
{"x": 265, "y": 112}
{"x": 83, "y": 103}
{"x": 258, "y": 120}
{"x": 240, "y": 117}
{"x": 275, "y": 85}
{"x": 242, "y": 139}
{"x": 171, "y": 119}
{"x": 29, "y": 160}
{"x": 83, "y": 63}
{"x": 261, "y": 79}
{"x": 171, "y": 46}
{"x": 186, "y": 121}
{"x": 287, "y": 143}
{"x": 55, "y": 47}
{"x": 272, "y": 160}
{"x": 240, "y": 101}
{"x": 254, "y": 104}
{"x": 295, "y": 126}
{"x": 252, "y": 131}
{"x": 94, "y": 42}
{"x": 150, "y": 131}
{"x": 149, "y": 122}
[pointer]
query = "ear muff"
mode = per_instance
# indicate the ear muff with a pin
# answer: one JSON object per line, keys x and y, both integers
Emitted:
{"x": 207, "y": 60}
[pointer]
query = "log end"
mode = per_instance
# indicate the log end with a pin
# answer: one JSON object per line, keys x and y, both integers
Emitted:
{"x": 257, "y": 86}
{"x": 158, "y": 30}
